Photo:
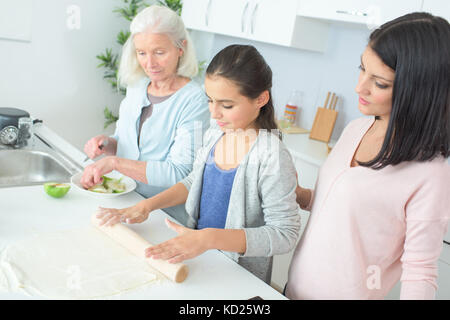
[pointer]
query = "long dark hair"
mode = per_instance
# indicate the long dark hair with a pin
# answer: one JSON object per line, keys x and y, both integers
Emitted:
{"x": 417, "y": 47}
{"x": 246, "y": 67}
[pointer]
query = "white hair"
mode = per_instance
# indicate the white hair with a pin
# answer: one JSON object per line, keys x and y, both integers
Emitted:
{"x": 158, "y": 19}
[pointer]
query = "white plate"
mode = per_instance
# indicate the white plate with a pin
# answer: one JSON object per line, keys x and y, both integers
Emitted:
{"x": 130, "y": 185}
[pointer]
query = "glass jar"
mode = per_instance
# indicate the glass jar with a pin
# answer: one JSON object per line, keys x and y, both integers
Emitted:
{"x": 291, "y": 109}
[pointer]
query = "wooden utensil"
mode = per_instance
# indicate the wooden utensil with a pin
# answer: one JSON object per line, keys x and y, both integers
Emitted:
{"x": 324, "y": 120}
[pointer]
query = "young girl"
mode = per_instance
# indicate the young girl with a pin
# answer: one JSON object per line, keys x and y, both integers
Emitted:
{"x": 240, "y": 196}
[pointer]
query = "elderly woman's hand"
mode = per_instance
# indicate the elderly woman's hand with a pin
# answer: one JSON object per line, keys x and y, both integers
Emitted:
{"x": 93, "y": 173}
{"x": 94, "y": 147}
{"x": 135, "y": 214}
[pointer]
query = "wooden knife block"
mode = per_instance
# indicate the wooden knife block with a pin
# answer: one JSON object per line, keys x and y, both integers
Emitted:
{"x": 323, "y": 124}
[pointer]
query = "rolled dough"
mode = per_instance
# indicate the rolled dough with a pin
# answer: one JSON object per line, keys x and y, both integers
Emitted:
{"x": 135, "y": 243}
{"x": 74, "y": 264}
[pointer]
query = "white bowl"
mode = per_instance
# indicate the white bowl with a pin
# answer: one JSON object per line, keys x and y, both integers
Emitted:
{"x": 130, "y": 185}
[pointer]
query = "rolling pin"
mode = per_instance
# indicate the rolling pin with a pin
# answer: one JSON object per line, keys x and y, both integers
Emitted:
{"x": 136, "y": 244}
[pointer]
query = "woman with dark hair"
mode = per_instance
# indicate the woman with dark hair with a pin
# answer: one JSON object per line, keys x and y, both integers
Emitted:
{"x": 240, "y": 195}
{"x": 381, "y": 204}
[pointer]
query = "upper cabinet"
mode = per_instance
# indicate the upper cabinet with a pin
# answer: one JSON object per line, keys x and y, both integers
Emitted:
{"x": 439, "y": 8}
{"x": 196, "y": 14}
{"x": 301, "y": 24}
{"x": 269, "y": 21}
{"x": 369, "y": 12}
{"x": 216, "y": 16}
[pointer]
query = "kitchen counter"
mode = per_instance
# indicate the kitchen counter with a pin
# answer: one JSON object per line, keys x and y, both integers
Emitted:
{"x": 312, "y": 151}
{"x": 25, "y": 211}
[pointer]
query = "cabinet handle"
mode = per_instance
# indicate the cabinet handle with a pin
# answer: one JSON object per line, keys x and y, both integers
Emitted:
{"x": 243, "y": 16}
{"x": 352, "y": 13}
{"x": 253, "y": 18}
{"x": 208, "y": 6}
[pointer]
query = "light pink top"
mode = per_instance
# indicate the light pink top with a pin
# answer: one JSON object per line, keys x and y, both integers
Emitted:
{"x": 370, "y": 228}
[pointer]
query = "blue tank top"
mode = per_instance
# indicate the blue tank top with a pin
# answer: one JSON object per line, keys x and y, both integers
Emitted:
{"x": 216, "y": 191}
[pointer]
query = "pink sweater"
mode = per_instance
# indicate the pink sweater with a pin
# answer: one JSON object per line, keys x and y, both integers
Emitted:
{"x": 370, "y": 228}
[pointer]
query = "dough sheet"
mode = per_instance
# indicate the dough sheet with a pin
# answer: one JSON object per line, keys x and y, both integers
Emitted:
{"x": 72, "y": 264}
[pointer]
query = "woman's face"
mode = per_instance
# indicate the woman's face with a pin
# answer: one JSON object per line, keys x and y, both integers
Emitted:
{"x": 157, "y": 55}
{"x": 375, "y": 85}
{"x": 229, "y": 107}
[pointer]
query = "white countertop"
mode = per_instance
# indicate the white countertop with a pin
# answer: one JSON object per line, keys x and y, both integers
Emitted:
{"x": 212, "y": 275}
{"x": 309, "y": 150}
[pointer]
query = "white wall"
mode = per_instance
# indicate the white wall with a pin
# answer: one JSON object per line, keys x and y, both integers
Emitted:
{"x": 55, "y": 76}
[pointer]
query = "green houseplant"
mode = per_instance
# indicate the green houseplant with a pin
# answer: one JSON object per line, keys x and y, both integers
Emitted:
{"x": 109, "y": 60}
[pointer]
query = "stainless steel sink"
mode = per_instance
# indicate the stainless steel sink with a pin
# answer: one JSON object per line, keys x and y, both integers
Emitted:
{"x": 31, "y": 167}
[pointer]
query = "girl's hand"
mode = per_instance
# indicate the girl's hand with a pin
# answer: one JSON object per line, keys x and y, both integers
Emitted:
{"x": 187, "y": 245}
{"x": 93, "y": 173}
{"x": 135, "y": 214}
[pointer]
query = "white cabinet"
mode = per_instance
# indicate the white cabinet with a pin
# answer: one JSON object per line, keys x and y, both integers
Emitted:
{"x": 268, "y": 21}
{"x": 368, "y": 12}
{"x": 196, "y": 14}
{"x": 229, "y": 17}
{"x": 439, "y": 8}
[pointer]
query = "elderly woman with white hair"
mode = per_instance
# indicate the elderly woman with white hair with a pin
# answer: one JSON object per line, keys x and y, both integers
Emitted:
{"x": 164, "y": 114}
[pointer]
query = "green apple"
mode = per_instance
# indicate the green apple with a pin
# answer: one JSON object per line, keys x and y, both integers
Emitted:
{"x": 56, "y": 190}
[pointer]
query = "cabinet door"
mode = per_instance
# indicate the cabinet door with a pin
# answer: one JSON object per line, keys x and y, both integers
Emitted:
{"x": 439, "y": 8}
{"x": 196, "y": 14}
{"x": 272, "y": 21}
{"x": 229, "y": 17}
{"x": 370, "y": 12}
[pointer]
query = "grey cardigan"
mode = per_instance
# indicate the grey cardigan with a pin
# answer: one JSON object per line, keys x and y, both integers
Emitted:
{"x": 262, "y": 201}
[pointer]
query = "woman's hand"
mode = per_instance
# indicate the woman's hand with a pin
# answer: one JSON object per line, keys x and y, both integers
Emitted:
{"x": 93, "y": 173}
{"x": 93, "y": 148}
{"x": 135, "y": 214}
{"x": 303, "y": 197}
{"x": 187, "y": 245}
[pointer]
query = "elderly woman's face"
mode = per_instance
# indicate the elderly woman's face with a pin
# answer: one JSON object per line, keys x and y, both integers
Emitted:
{"x": 157, "y": 55}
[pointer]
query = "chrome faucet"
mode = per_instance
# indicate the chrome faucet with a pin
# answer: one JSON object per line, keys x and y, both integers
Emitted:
{"x": 12, "y": 137}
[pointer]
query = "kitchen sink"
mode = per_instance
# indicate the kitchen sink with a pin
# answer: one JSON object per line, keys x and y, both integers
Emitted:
{"x": 40, "y": 164}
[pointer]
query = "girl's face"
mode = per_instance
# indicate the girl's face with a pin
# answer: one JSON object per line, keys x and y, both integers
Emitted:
{"x": 157, "y": 55}
{"x": 375, "y": 85}
{"x": 229, "y": 107}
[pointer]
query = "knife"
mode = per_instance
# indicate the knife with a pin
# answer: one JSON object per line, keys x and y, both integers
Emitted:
{"x": 104, "y": 144}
